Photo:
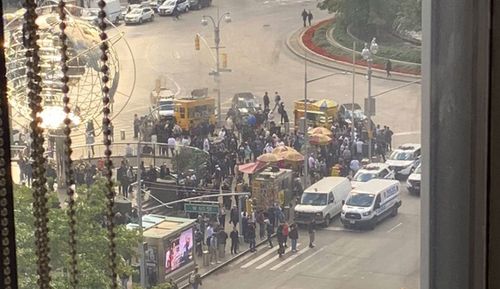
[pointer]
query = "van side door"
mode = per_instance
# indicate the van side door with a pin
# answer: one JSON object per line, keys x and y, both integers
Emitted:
{"x": 334, "y": 204}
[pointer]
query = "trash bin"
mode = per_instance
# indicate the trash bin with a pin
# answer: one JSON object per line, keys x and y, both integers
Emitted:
{"x": 122, "y": 134}
{"x": 206, "y": 258}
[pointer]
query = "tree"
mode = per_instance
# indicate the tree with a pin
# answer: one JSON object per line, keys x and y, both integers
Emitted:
{"x": 92, "y": 240}
{"x": 373, "y": 15}
{"x": 409, "y": 16}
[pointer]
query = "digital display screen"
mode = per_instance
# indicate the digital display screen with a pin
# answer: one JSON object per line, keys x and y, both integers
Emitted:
{"x": 179, "y": 251}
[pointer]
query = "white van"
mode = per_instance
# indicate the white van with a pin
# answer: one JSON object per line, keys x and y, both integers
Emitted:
{"x": 370, "y": 203}
{"x": 113, "y": 10}
{"x": 372, "y": 171}
{"x": 322, "y": 201}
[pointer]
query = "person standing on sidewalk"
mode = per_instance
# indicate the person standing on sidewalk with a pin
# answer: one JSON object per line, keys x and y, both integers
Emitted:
{"x": 311, "y": 230}
{"x": 251, "y": 236}
{"x": 235, "y": 239}
{"x": 234, "y": 216}
{"x": 194, "y": 279}
{"x": 388, "y": 67}
{"x": 304, "y": 17}
{"x": 221, "y": 242}
{"x": 222, "y": 216}
{"x": 294, "y": 236}
{"x": 309, "y": 17}
{"x": 277, "y": 100}
{"x": 270, "y": 231}
{"x": 262, "y": 225}
{"x": 286, "y": 230}
{"x": 212, "y": 247}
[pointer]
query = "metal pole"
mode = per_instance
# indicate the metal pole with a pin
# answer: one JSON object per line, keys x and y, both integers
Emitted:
{"x": 370, "y": 133}
{"x": 353, "y": 87}
{"x": 139, "y": 212}
{"x": 306, "y": 136}
{"x": 217, "y": 72}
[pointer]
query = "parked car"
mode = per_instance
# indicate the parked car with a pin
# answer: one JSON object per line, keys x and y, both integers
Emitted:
{"x": 139, "y": 16}
{"x": 404, "y": 160}
{"x": 372, "y": 171}
{"x": 198, "y": 4}
{"x": 413, "y": 182}
{"x": 167, "y": 8}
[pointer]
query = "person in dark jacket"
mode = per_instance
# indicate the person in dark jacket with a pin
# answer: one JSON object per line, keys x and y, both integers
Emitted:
{"x": 270, "y": 231}
{"x": 234, "y": 235}
{"x": 251, "y": 236}
{"x": 234, "y": 216}
{"x": 304, "y": 17}
{"x": 311, "y": 230}
{"x": 309, "y": 17}
{"x": 281, "y": 239}
{"x": 266, "y": 100}
{"x": 388, "y": 67}
{"x": 294, "y": 236}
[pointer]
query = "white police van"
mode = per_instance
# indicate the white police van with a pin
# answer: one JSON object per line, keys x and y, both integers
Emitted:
{"x": 372, "y": 171}
{"x": 404, "y": 160}
{"x": 370, "y": 203}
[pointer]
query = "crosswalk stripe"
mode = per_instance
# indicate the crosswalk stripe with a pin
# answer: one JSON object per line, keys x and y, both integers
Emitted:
{"x": 270, "y": 261}
{"x": 270, "y": 251}
{"x": 305, "y": 259}
{"x": 240, "y": 260}
{"x": 300, "y": 252}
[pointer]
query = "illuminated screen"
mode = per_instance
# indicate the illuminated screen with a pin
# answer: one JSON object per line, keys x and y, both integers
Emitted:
{"x": 179, "y": 251}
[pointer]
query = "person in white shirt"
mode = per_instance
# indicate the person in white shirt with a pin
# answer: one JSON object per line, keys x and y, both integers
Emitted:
{"x": 186, "y": 141}
{"x": 354, "y": 166}
{"x": 206, "y": 145}
{"x": 171, "y": 144}
{"x": 359, "y": 148}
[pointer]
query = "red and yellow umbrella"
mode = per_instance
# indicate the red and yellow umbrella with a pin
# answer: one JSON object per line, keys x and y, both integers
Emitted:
{"x": 319, "y": 139}
{"x": 320, "y": 130}
{"x": 281, "y": 149}
{"x": 292, "y": 156}
{"x": 270, "y": 158}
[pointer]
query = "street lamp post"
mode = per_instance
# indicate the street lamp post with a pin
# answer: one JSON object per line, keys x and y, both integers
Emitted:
{"x": 306, "y": 135}
{"x": 216, "y": 22}
{"x": 368, "y": 53}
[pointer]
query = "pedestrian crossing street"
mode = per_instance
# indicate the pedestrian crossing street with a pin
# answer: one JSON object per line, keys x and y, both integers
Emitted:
{"x": 270, "y": 260}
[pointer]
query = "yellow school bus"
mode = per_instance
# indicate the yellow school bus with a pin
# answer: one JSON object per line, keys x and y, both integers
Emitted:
{"x": 193, "y": 111}
{"x": 319, "y": 112}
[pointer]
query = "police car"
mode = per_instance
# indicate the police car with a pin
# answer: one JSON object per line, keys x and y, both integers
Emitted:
{"x": 404, "y": 160}
{"x": 413, "y": 182}
{"x": 372, "y": 171}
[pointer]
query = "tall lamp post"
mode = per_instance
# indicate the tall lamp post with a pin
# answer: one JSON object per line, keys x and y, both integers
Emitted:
{"x": 216, "y": 22}
{"x": 368, "y": 52}
{"x": 306, "y": 135}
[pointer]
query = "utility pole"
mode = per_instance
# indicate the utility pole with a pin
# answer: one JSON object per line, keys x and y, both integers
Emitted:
{"x": 139, "y": 213}
{"x": 306, "y": 134}
{"x": 218, "y": 70}
{"x": 353, "y": 88}
{"x": 368, "y": 53}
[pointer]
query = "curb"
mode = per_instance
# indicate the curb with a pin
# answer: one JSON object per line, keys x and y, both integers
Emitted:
{"x": 339, "y": 65}
{"x": 227, "y": 262}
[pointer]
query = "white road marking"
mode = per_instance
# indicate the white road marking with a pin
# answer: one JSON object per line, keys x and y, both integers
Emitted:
{"x": 305, "y": 259}
{"x": 395, "y": 227}
{"x": 407, "y": 133}
{"x": 336, "y": 229}
{"x": 240, "y": 260}
{"x": 270, "y": 261}
{"x": 269, "y": 251}
{"x": 300, "y": 252}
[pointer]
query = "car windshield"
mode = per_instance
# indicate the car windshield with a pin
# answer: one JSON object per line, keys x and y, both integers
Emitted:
{"x": 136, "y": 12}
{"x": 168, "y": 3}
{"x": 360, "y": 200}
{"x": 313, "y": 199}
{"x": 166, "y": 105}
{"x": 401, "y": 156}
{"x": 363, "y": 177}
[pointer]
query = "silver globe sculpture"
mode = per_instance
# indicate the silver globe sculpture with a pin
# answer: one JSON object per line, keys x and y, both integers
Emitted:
{"x": 84, "y": 67}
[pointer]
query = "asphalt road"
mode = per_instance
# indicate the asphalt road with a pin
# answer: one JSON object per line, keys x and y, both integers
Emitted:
{"x": 385, "y": 258}
{"x": 258, "y": 57}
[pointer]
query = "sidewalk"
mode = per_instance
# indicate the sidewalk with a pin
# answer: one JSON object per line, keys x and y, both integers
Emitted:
{"x": 296, "y": 46}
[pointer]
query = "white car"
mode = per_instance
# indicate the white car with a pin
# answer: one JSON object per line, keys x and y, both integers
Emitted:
{"x": 404, "y": 160}
{"x": 372, "y": 171}
{"x": 139, "y": 16}
{"x": 413, "y": 182}
{"x": 167, "y": 8}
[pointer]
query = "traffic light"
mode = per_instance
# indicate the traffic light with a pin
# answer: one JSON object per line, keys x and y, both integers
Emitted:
{"x": 197, "y": 42}
{"x": 224, "y": 60}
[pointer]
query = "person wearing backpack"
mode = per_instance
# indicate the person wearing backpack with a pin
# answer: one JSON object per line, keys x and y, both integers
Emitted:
{"x": 285, "y": 234}
{"x": 195, "y": 279}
